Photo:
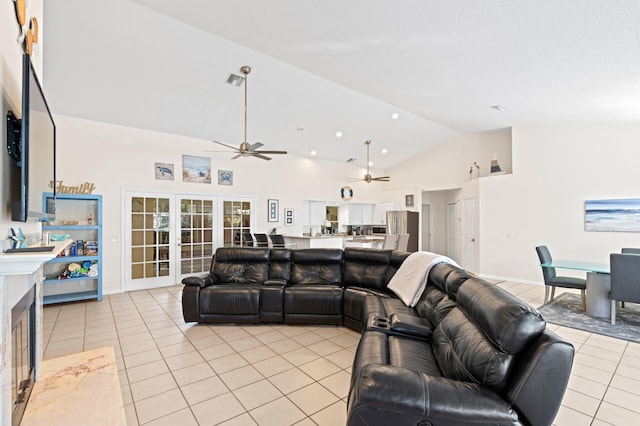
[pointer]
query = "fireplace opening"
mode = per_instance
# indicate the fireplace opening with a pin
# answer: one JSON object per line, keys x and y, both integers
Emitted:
{"x": 23, "y": 334}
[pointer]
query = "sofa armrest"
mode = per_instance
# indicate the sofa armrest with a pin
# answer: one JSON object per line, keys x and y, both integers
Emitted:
{"x": 205, "y": 280}
{"x": 384, "y": 394}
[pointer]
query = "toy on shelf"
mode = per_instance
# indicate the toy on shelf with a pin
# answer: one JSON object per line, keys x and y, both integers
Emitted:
{"x": 77, "y": 270}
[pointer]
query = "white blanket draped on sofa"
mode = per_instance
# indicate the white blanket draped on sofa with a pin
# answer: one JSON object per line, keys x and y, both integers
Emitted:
{"x": 410, "y": 280}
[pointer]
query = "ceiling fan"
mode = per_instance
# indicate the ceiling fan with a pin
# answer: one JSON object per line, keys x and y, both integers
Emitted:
{"x": 246, "y": 149}
{"x": 368, "y": 178}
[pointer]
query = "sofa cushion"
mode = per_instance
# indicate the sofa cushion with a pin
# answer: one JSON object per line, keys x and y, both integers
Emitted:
{"x": 313, "y": 299}
{"x": 316, "y": 266}
{"x": 396, "y": 260}
{"x": 230, "y": 299}
{"x": 366, "y": 267}
{"x": 455, "y": 279}
{"x": 509, "y": 322}
{"x": 248, "y": 265}
{"x": 465, "y": 354}
{"x": 280, "y": 264}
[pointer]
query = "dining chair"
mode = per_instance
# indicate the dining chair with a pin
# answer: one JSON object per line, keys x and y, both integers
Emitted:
{"x": 247, "y": 239}
{"x": 390, "y": 242}
{"x": 261, "y": 240}
{"x": 631, "y": 250}
{"x": 625, "y": 280}
{"x": 277, "y": 240}
{"x": 403, "y": 242}
{"x": 551, "y": 280}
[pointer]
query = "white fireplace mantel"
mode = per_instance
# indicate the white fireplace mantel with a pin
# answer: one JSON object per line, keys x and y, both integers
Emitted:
{"x": 29, "y": 262}
{"x": 19, "y": 272}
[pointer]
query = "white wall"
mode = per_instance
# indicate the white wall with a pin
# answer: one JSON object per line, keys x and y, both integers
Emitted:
{"x": 555, "y": 170}
{"x": 118, "y": 158}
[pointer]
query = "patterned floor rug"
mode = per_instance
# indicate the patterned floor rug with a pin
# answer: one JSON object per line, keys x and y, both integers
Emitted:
{"x": 565, "y": 310}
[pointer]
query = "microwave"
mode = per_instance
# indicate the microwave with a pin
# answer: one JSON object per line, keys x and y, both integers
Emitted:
{"x": 379, "y": 230}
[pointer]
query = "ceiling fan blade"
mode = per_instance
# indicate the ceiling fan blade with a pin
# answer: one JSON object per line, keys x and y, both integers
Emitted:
{"x": 258, "y": 155}
{"x": 382, "y": 178}
{"x": 235, "y": 148}
{"x": 236, "y": 156}
{"x": 255, "y": 146}
{"x": 270, "y": 152}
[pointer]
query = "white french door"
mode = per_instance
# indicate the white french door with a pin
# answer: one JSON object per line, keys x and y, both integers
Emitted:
{"x": 149, "y": 241}
{"x": 196, "y": 239}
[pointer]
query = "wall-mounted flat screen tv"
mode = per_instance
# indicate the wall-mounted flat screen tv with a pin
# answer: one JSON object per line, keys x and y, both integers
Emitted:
{"x": 31, "y": 141}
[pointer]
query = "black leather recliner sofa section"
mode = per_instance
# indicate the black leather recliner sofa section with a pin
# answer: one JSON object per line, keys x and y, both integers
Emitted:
{"x": 468, "y": 353}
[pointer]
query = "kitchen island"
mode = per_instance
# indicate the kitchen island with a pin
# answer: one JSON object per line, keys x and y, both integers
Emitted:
{"x": 363, "y": 241}
{"x": 305, "y": 241}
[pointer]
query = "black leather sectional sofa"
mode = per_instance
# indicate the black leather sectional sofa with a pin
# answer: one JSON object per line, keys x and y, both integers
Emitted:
{"x": 467, "y": 353}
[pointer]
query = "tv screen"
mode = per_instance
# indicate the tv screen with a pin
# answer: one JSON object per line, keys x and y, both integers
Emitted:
{"x": 37, "y": 151}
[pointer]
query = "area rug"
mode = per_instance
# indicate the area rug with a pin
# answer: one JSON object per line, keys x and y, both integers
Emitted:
{"x": 565, "y": 310}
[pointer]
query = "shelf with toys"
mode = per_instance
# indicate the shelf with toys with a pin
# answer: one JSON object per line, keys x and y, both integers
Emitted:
{"x": 77, "y": 273}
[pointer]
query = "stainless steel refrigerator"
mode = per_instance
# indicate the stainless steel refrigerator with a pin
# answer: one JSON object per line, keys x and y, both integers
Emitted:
{"x": 405, "y": 222}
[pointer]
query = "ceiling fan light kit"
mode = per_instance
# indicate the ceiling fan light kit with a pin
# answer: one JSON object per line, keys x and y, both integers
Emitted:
{"x": 246, "y": 149}
{"x": 367, "y": 177}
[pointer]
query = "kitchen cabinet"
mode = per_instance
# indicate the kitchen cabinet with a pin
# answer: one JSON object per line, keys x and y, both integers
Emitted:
{"x": 380, "y": 212}
{"x": 356, "y": 214}
{"x": 315, "y": 213}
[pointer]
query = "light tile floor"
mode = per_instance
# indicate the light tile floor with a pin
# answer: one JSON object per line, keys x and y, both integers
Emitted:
{"x": 187, "y": 374}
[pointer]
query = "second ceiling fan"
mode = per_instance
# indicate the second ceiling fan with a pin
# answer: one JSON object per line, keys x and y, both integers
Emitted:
{"x": 367, "y": 177}
{"x": 246, "y": 149}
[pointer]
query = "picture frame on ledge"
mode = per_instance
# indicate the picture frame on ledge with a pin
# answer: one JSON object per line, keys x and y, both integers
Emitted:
{"x": 288, "y": 217}
{"x": 272, "y": 210}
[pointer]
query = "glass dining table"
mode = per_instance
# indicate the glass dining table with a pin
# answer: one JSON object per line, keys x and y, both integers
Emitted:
{"x": 598, "y": 284}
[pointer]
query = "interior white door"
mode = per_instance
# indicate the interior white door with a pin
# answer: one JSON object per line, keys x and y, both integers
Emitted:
{"x": 149, "y": 241}
{"x": 469, "y": 232}
{"x": 452, "y": 231}
{"x": 426, "y": 227}
{"x": 195, "y": 236}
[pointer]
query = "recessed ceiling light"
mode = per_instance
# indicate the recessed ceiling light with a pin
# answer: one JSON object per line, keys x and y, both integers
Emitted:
{"x": 498, "y": 107}
{"x": 384, "y": 150}
{"x": 338, "y": 134}
{"x": 313, "y": 152}
{"x": 395, "y": 116}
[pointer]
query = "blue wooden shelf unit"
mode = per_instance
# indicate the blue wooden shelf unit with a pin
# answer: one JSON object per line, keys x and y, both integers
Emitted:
{"x": 79, "y": 217}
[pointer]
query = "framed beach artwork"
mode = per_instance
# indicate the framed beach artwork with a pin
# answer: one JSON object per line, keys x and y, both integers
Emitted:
{"x": 164, "y": 171}
{"x": 196, "y": 169}
{"x": 615, "y": 215}
{"x": 272, "y": 211}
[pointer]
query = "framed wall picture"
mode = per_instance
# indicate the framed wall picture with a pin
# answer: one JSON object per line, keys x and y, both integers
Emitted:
{"x": 614, "y": 215}
{"x": 272, "y": 211}
{"x": 288, "y": 217}
{"x": 408, "y": 200}
{"x": 196, "y": 169}
{"x": 225, "y": 177}
{"x": 164, "y": 171}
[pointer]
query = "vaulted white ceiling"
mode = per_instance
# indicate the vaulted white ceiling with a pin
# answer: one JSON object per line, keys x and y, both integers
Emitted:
{"x": 325, "y": 66}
